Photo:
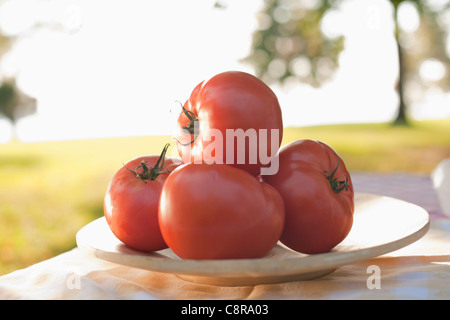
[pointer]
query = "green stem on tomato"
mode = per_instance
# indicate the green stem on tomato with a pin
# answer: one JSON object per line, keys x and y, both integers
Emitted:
{"x": 336, "y": 185}
{"x": 151, "y": 173}
{"x": 191, "y": 127}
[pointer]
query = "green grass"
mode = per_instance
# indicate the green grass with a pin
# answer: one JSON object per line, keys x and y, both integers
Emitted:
{"x": 382, "y": 147}
{"x": 48, "y": 191}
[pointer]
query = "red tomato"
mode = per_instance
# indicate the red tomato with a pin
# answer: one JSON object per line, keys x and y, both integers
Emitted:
{"x": 232, "y": 118}
{"x": 219, "y": 212}
{"x": 131, "y": 201}
{"x": 318, "y": 195}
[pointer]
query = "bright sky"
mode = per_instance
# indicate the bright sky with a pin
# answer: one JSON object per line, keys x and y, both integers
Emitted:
{"x": 127, "y": 63}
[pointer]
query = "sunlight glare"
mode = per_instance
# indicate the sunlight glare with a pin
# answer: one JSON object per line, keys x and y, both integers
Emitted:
{"x": 408, "y": 17}
{"x": 432, "y": 70}
{"x": 14, "y": 19}
{"x": 119, "y": 67}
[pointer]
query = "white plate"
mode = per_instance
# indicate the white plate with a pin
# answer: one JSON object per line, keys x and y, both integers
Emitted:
{"x": 381, "y": 225}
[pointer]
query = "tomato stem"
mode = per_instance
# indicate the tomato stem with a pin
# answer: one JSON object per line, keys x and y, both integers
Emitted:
{"x": 336, "y": 185}
{"x": 151, "y": 173}
{"x": 192, "y": 125}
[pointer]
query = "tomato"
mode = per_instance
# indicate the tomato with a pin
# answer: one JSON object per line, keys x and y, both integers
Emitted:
{"x": 318, "y": 195}
{"x": 232, "y": 118}
{"x": 218, "y": 211}
{"x": 131, "y": 201}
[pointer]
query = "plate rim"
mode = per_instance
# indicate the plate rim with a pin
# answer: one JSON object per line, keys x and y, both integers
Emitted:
{"x": 226, "y": 268}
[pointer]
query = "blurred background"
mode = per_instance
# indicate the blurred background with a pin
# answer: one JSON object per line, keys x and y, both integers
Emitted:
{"x": 87, "y": 85}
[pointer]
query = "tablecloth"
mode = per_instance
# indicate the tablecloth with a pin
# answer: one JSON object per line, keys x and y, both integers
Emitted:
{"x": 418, "y": 271}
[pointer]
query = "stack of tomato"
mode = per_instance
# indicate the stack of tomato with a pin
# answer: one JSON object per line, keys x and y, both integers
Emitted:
{"x": 212, "y": 204}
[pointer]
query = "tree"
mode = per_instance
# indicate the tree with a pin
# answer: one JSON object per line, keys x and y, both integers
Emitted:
{"x": 290, "y": 43}
{"x": 5, "y": 43}
{"x": 14, "y": 104}
{"x": 414, "y": 49}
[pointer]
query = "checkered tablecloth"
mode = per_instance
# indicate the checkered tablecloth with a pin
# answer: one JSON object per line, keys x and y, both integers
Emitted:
{"x": 418, "y": 271}
{"x": 417, "y": 189}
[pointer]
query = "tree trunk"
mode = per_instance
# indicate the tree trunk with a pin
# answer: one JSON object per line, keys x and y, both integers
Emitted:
{"x": 13, "y": 131}
{"x": 401, "y": 118}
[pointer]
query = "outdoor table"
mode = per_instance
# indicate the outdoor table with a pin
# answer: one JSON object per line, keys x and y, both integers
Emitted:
{"x": 420, "y": 270}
